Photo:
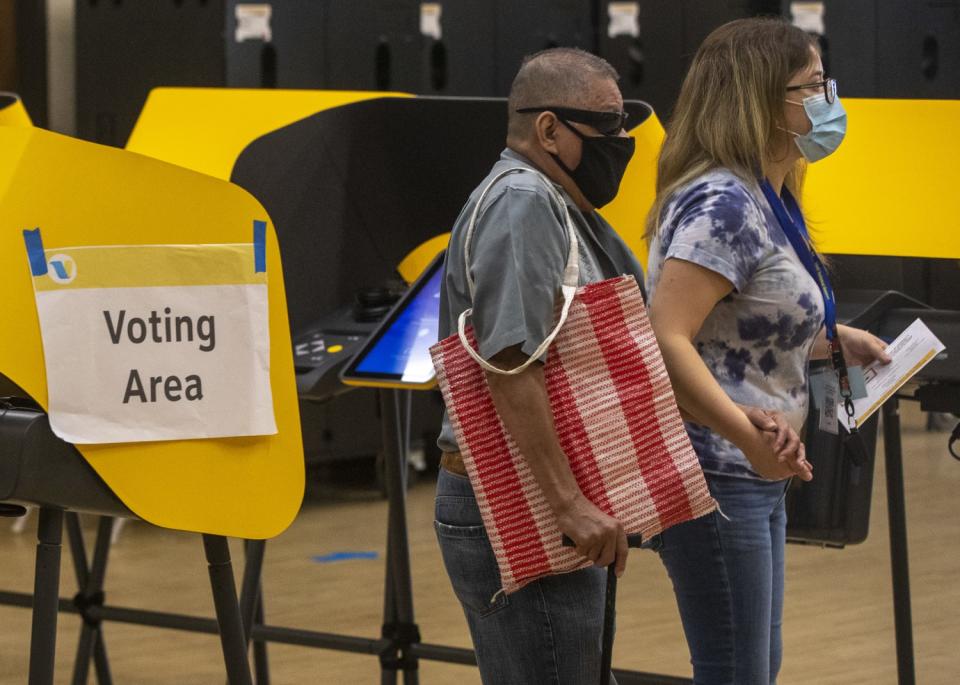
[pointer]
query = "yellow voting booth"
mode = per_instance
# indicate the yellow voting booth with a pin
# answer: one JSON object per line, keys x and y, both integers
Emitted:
{"x": 242, "y": 487}
{"x": 888, "y": 189}
{"x": 873, "y": 196}
{"x": 81, "y": 195}
{"x": 206, "y": 129}
{"x": 12, "y": 111}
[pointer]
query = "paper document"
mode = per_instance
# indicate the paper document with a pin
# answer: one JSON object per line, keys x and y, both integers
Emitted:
{"x": 911, "y": 351}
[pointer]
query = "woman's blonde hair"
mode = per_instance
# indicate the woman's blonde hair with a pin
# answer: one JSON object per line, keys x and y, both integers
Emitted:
{"x": 730, "y": 107}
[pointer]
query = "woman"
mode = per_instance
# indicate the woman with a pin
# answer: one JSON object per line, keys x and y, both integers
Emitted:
{"x": 738, "y": 304}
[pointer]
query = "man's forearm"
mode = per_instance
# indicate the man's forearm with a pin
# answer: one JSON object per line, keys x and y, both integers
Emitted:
{"x": 524, "y": 408}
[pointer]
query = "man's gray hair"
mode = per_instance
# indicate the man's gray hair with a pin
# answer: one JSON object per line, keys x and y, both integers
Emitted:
{"x": 558, "y": 76}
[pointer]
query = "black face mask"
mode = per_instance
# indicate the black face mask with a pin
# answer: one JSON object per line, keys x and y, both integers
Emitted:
{"x": 603, "y": 161}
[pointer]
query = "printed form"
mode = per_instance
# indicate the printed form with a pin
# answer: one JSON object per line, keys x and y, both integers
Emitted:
{"x": 911, "y": 351}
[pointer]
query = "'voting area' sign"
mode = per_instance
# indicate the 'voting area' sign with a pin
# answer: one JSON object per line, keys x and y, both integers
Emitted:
{"x": 154, "y": 342}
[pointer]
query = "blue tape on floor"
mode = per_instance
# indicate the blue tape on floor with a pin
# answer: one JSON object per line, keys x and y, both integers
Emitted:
{"x": 343, "y": 556}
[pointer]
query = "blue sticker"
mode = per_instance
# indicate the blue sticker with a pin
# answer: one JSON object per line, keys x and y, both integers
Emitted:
{"x": 38, "y": 260}
{"x": 259, "y": 246}
{"x": 343, "y": 556}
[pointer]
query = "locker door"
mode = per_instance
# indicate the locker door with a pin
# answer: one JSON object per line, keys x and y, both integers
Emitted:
{"x": 372, "y": 46}
{"x": 458, "y": 47}
{"x": 533, "y": 25}
{"x": 918, "y": 48}
{"x": 663, "y": 48}
{"x": 281, "y": 50}
{"x": 940, "y": 48}
{"x": 619, "y": 42}
{"x": 851, "y": 38}
{"x": 125, "y": 49}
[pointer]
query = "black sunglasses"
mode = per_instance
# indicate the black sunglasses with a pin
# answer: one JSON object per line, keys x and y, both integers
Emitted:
{"x": 829, "y": 86}
{"x": 606, "y": 123}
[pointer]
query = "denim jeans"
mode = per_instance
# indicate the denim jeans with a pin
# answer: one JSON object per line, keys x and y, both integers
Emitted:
{"x": 727, "y": 575}
{"x": 548, "y": 633}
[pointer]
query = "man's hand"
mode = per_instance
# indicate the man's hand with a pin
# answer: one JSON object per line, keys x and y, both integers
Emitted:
{"x": 524, "y": 408}
{"x": 596, "y": 536}
{"x": 784, "y": 442}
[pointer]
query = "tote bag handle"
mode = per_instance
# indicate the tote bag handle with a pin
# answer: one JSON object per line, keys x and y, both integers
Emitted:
{"x": 571, "y": 276}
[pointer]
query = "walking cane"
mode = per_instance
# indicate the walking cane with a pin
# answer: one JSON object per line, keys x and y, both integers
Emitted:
{"x": 609, "y": 610}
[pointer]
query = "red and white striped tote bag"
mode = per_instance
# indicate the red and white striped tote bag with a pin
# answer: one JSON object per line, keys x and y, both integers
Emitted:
{"x": 615, "y": 415}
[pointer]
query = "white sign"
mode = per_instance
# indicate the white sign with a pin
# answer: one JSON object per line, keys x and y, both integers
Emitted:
{"x": 624, "y": 19}
{"x": 430, "y": 13}
{"x": 154, "y": 342}
{"x": 911, "y": 351}
{"x": 808, "y": 16}
{"x": 253, "y": 22}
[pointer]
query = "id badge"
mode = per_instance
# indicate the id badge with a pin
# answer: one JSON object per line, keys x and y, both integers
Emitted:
{"x": 828, "y": 409}
{"x": 824, "y": 394}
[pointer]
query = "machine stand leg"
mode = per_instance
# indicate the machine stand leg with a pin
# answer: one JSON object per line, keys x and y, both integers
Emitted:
{"x": 91, "y": 645}
{"x": 227, "y": 609}
{"x": 46, "y": 597}
{"x": 899, "y": 558}
{"x": 399, "y": 625}
{"x": 251, "y": 596}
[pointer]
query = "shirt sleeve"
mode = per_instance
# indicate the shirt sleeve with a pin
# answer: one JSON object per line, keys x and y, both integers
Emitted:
{"x": 721, "y": 228}
{"x": 517, "y": 260}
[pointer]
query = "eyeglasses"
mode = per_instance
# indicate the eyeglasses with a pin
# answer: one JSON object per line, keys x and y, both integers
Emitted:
{"x": 606, "y": 123}
{"x": 828, "y": 85}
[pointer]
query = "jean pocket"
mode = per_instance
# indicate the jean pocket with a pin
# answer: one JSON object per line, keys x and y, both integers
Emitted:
{"x": 472, "y": 568}
{"x": 457, "y": 512}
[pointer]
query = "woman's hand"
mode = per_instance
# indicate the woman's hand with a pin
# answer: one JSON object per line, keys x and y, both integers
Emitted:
{"x": 779, "y": 452}
{"x": 860, "y": 347}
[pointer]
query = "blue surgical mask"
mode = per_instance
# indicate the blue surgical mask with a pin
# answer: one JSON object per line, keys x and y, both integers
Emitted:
{"x": 829, "y": 121}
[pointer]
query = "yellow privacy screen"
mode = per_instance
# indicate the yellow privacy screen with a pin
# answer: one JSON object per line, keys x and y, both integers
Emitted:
{"x": 12, "y": 112}
{"x": 889, "y": 188}
{"x": 87, "y": 197}
{"x": 886, "y": 191}
{"x": 206, "y": 129}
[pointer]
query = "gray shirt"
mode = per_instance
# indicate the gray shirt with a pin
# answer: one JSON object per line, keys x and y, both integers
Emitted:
{"x": 518, "y": 254}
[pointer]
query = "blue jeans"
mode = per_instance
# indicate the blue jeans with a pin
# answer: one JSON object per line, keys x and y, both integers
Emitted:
{"x": 728, "y": 579}
{"x": 548, "y": 633}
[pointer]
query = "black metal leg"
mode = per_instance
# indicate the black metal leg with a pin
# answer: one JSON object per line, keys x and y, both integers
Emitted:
{"x": 254, "y": 551}
{"x": 899, "y": 558}
{"x": 399, "y": 625}
{"x": 228, "y": 609}
{"x": 46, "y": 597}
{"x": 251, "y": 593}
{"x": 90, "y": 581}
{"x": 260, "y": 662}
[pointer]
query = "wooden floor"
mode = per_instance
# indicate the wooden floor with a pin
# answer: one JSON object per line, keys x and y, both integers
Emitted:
{"x": 838, "y": 623}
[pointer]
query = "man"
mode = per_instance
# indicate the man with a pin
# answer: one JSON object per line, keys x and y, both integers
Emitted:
{"x": 565, "y": 120}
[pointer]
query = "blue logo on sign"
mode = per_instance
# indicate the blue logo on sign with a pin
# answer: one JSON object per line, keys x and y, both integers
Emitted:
{"x": 62, "y": 268}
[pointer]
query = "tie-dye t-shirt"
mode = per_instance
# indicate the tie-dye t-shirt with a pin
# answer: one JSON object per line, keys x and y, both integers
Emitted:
{"x": 757, "y": 339}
